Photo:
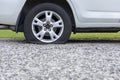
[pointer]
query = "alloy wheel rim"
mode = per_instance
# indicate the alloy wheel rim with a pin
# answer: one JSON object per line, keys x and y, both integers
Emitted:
{"x": 47, "y": 26}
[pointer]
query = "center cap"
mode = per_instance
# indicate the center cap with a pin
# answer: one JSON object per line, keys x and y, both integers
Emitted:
{"x": 47, "y": 26}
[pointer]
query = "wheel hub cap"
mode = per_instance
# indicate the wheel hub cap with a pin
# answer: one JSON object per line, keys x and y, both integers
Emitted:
{"x": 48, "y": 25}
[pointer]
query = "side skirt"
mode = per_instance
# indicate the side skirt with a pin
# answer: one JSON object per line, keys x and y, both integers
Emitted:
{"x": 111, "y": 29}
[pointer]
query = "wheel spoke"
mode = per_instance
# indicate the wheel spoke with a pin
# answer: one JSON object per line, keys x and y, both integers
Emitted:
{"x": 38, "y": 22}
{"x": 58, "y": 24}
{"x": 53, "y": 35}
{"x": 41, "y": 34}
{"x": 48, "y": 15}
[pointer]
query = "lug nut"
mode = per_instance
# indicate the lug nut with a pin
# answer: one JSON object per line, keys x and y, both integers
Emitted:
{"x": 44, "y": 25}
{"x": 48, "y": 22}
{"x": 51, "y": 25}
{"x": 45, "y": 29}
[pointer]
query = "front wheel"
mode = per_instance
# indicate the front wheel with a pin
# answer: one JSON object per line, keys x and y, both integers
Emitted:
{"x": 47, "y": 23}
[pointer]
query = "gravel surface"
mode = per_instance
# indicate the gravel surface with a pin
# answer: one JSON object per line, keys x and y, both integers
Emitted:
{"x": 76, "y": 60}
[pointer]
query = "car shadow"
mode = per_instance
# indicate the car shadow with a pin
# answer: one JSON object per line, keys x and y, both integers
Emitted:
{"x": 95, "y": 41}
{"x": 22, "y": 41}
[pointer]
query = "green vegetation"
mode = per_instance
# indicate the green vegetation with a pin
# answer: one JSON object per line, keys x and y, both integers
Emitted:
{"x": 11, "y": 34}
{"x": 96, "y": 36}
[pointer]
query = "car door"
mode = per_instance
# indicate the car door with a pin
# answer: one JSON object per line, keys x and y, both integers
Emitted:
{"x": 97, "y": 11}
{"x": 9, "y": 11}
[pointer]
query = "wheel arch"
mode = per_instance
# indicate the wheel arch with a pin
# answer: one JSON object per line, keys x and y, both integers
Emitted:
{"x": 31, "y": 3}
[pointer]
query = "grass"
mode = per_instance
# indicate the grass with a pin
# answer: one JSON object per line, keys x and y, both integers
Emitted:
{"x": 96, "y": 36}
{"x": 11, "y": 34}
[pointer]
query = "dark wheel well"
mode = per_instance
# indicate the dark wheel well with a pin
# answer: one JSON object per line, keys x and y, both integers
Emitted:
{"x": 31, "y": 3}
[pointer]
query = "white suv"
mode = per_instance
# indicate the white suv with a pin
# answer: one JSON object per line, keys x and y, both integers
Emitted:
{"x": 52, "y": 21}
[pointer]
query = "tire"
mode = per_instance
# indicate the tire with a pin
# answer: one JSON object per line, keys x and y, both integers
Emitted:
{"x": 47, "y": 23}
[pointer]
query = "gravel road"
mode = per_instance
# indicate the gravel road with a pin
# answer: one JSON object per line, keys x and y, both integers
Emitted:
{"x": 76, "y": 60}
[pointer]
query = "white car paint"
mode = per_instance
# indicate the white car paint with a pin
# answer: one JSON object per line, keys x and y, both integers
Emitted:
{"x": 96, "y": 13}
{"x": 10, "y": 10}
{"x": 87, "y": 13}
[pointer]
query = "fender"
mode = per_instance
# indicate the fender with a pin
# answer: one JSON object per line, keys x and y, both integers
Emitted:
{"x": 20, "y": 18}
{"x": 70, "y": 2}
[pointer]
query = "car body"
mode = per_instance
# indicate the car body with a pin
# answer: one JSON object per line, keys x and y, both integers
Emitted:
{"x": 84, "y": 15}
